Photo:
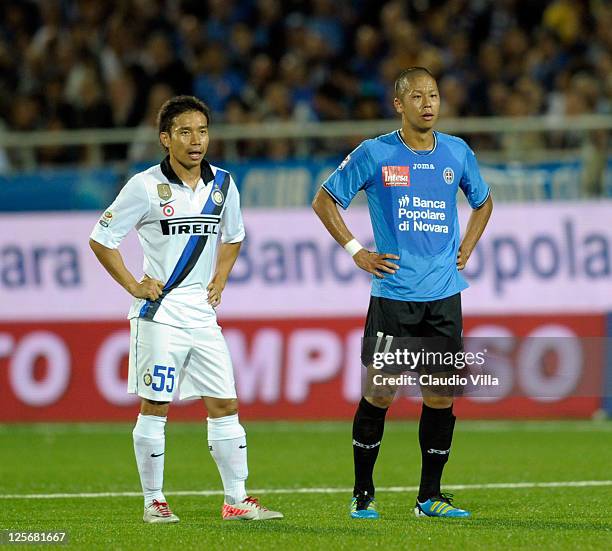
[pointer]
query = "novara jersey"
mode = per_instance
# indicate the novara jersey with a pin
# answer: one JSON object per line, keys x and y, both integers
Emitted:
{"x": 179, "y": 229}
{"x": 412, "y": 198}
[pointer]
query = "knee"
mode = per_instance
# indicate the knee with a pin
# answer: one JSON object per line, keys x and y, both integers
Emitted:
{"x": 438, "y": 402}
{"x": 151, "y": 407}
{"x": 222, "y": 408}
{"x": 380, "y": 401}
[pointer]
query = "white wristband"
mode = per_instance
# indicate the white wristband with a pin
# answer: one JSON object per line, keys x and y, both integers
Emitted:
{"x": 353, "y": 247}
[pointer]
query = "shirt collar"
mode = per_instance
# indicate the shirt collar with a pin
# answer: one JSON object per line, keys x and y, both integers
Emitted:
{"x": 428, "y": 152}
{"x": 206, "y": 172}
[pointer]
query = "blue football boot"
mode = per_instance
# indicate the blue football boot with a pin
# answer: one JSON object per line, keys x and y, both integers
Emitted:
{"x": 364, "y": 506}
{"x": 440, "y": 506}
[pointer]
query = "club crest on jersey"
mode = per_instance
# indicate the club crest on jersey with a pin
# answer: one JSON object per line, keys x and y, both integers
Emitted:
{"x": 396, "y": 176}
{"x": 217, "y": 196}
{"x": 345, "y": 162}
{"x": 164, "y": 191}
{"x": 147, "y": 379}
{"x": 449, "y": 175}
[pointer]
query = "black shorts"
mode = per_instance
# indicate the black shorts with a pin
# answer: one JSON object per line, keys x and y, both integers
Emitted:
{"x": 433, "y": 326}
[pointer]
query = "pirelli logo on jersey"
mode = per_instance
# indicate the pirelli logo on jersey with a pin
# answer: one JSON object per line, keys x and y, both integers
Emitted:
{"x": 396, "y": 176}
{"x": 191, "y": 225}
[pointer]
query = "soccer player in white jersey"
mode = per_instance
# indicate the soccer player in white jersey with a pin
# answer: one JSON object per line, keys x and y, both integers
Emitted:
{"x": 187, "y": 215}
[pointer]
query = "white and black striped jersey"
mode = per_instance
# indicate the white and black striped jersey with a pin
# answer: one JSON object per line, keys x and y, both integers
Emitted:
{"x": 179, "y": 229}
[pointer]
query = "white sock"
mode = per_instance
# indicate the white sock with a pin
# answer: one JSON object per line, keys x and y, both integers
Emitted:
{"x": 227, "y": 445}
{"x": 149, "y": 447}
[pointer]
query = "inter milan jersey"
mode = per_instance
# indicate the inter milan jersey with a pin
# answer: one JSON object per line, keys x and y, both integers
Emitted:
{"x": 412, "y": 198}
{"x": 179, "y": 229}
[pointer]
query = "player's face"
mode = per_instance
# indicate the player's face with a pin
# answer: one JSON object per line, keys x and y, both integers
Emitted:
{"x": 420, "y": 105}
{"x": 187, "y": 141}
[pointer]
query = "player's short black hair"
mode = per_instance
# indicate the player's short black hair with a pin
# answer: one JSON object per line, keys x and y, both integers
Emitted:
{"x": 403, "y": 79}
{"x": 177, "y": 106}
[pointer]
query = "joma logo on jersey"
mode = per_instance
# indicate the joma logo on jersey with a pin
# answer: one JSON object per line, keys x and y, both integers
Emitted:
{"x": 196, "y": 225}
{"x": 396, "y": 176}
{"x": 423, "y": 166}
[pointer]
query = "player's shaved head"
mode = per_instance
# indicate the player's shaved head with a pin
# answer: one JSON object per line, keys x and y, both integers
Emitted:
{"x": 405, "y": 78}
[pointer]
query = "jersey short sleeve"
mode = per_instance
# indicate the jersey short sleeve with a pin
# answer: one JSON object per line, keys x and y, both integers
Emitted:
{"x": 130, "y": 207}
{"x": 473, "y": 186}
{"x": 232, "y": 226}
{"x": 353, "y": 174}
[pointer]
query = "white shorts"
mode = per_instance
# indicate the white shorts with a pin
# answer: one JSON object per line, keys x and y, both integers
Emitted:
{"x": 163, "y": 358}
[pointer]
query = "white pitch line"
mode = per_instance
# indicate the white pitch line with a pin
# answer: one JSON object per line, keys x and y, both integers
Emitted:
{"x": 389, "y": 489}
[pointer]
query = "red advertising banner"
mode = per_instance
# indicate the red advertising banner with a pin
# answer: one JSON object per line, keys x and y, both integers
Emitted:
{"x": 290, "y": 369}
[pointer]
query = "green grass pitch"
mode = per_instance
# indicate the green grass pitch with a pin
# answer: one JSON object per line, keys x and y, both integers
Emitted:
{"x": 96, "y": 458}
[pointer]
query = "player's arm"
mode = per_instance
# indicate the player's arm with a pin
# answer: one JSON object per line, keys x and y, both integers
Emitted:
{"x": 232, "y": 235}
{"x": 226, "y": 257}
{"x": 372, "y": 262}
{"x": 478, "y": 194}
{"x": 113, "y": 263}
{"x": 129, "y": 207}
{"x": 476, "y": 226}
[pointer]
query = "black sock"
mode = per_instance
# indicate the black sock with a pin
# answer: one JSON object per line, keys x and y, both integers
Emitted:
{"x": 368, "y": 428}
{"x": 435, "y": 437}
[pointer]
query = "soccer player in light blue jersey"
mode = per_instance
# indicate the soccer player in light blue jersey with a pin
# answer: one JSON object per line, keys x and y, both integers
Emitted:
{"x": 411, "y": 178}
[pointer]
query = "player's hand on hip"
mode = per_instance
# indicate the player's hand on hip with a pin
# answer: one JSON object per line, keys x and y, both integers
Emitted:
{"x": 214, "y": 294}
{"x": 148, "y": 288}
{"x": 375, "y": 263}
{"x": 463, "y": 256}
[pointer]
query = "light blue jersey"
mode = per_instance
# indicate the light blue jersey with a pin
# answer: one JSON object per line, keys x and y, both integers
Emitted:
{"x": 412, "y": 197}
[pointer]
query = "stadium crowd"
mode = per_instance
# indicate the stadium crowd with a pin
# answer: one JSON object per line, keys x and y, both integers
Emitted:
{"x": 86, "y": 63}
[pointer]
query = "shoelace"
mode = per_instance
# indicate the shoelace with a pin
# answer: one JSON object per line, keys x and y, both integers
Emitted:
{"x": 162, "y": 508}
{"x": 254, "y": 501}
{"x": 363, "y": 502}
{"x": 447, "y": 498}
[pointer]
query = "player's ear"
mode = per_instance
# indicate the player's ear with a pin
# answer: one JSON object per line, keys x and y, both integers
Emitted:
{"x": 399, "y": 108}
{"x": 164, "y": 138}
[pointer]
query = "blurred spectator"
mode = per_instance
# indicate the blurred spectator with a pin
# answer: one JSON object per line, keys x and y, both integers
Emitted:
{"x": 488, "y": 71}
{"x": 294, "y": 74}
{"x": 546, "y": 59}
{"x": 25, "y": 114}
{"x": 454, "y": 94}
{"x": 215, "y": 81}
{"x": 241, "y": 47}
{"x": 55, "y": 106}
{"x": 367, "y": 108}
{"x": 140, "y": 149}
{"x": 261, "y": 72}
{"x": 163, "y": 67}
{"x": 269, "y": 28}
{"x": 93, "y": 108}
{"x": 520, "y": 145}
{"x": 515, "y": 47}
{"x": 564, "y": 17}
{"x": 276, "y": 104}
{"x": 324, "y": 21}
{"x": 365, "y": 61}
